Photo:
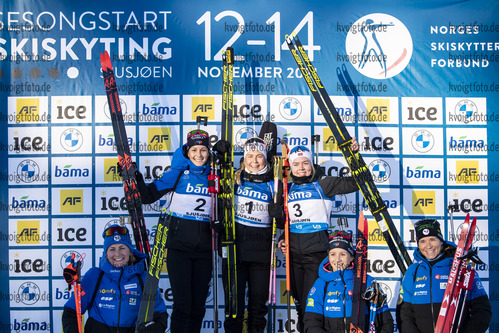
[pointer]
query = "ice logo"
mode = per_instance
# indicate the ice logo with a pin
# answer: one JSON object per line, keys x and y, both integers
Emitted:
{"x": 379, "y": 46}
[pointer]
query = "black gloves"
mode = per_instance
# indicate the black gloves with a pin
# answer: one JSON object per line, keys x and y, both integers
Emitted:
{"x": 276, "y": 211}
{"x": 151, "y": 326}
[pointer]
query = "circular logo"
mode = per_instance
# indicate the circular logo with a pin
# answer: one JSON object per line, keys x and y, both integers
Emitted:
{"x": 29, "y": 293}
{"x": 71, "y": 139}
{"x": 339, "y": 203}
{"x": 244, "y": 134}
{"x": 123, "y": 109}
{"x": 426, "y": 232}
{"x": 465, "y": 109}
{"x": 476, "y": 235}
{"x": 388, "y": 292}
{"x": 379, "y": 46}
{"x": 290, "y": 108}
{"x": 66, "y": 258}
{"x": 422, "y": 141}
{"x": 380, "y": 171}
{"x": 27, "y": 171}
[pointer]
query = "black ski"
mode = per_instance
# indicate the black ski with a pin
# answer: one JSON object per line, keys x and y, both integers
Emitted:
{"x": 150, "y": 292}
{"x": 227, "y": 184}
{"x": 128, "y": 169}
{"x": 358, "y": 167}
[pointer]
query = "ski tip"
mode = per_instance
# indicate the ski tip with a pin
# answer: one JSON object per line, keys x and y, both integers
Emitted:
{"x": 105, "y": 60}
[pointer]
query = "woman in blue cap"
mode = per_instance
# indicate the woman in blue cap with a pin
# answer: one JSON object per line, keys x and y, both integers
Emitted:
{"x": 329, "y": 302}
{"x": 309, "y": 206}
{"x": 189, "y": 259}
{"x": 112, "y": 292}
{"x": 424, "y": 284}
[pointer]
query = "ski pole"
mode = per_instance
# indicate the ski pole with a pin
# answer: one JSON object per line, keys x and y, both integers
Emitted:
{"x": 315, "y": 141}
{"x": 286, "y": 225}
{"x": 273, "y": 257}
{"x": 451, "y": 209}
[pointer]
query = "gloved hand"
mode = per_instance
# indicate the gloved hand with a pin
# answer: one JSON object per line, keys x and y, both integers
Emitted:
{"x": 151, "y": 326}
{"x": 276, "y": 211}
{"x": 222, "y": 147}
{"x": 217, "y": 226}
{"x": 179, "y": 160}
{"x": 119, "y": 169}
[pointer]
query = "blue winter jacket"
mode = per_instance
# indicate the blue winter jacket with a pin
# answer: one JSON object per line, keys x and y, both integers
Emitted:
{"x": 329, "y": 303}
{"x": 422, "y": 292}
{"x": 117, "y": 300}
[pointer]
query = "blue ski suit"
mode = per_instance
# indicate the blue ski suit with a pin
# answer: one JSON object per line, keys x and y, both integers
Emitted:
{"x": 422, "y": 292}
{"x": 329, "y": 303}
{"x": 117, "y": 298}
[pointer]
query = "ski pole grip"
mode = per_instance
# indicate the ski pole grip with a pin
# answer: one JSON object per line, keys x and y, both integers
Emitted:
{"x": 214, "y": 184}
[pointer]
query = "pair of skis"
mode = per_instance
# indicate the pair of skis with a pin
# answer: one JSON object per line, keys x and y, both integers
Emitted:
{"x": 358, "y": 318}
{"x": 277, "y": 165}
{"x": 134, "y": 202}
{"x": 358, "y": 167}
{"x": 128, "y": 169}
{"x": 460, "y": 280}
{"x": 227, "y": 184}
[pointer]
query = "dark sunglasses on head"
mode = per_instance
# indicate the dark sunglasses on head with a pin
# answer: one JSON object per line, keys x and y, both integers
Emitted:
{"x": 119, "y": 230}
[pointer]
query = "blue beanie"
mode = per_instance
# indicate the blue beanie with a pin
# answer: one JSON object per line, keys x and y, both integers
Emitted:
{"x": 116, "y": 234}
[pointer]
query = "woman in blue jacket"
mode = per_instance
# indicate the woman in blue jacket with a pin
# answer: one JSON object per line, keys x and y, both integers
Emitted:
{"x": 189, "y": 255}
{"x": 309, "y": 206}
{"x": 329, "y": 302}
{"x": 112, "y": 292}
{"x": 424, "y": 284}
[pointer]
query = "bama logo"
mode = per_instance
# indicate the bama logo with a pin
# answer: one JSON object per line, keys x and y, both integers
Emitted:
{"x": 110, "y": 142}
{"x": 69, "y": 171}
{"x": 463, "y": 144}
{"x": 154, "y": 110}
{"x": 71, "y": 201}
{"x": 248, "y": 192}
{"x": 26, "y": 204}
{"x": 379, "y": 46}
{"x": 198, "y": 189}
{"x": 420, "y": 172}
{"x": 423, "y": 202}
{"x": 26, "y": 325}
{"x": 203, "y": 106}
{"x": 295, "y": 195}
{"x": 294, "y": 140}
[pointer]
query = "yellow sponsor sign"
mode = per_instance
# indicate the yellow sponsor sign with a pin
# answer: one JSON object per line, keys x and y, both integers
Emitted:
{"x": 467, "y": 172}
{"x": 71, "y": 201}
{"x": 159, "y": 139}
{"x": 28, "y": 232}
{"x": 423, "y": 202}
{"x": 378, "y": 110}
{"x": 329, "y": 143}
{"x": 203, "y": 106}
{"x": 27, "y": 110}
{"x": 111, "y": 170}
